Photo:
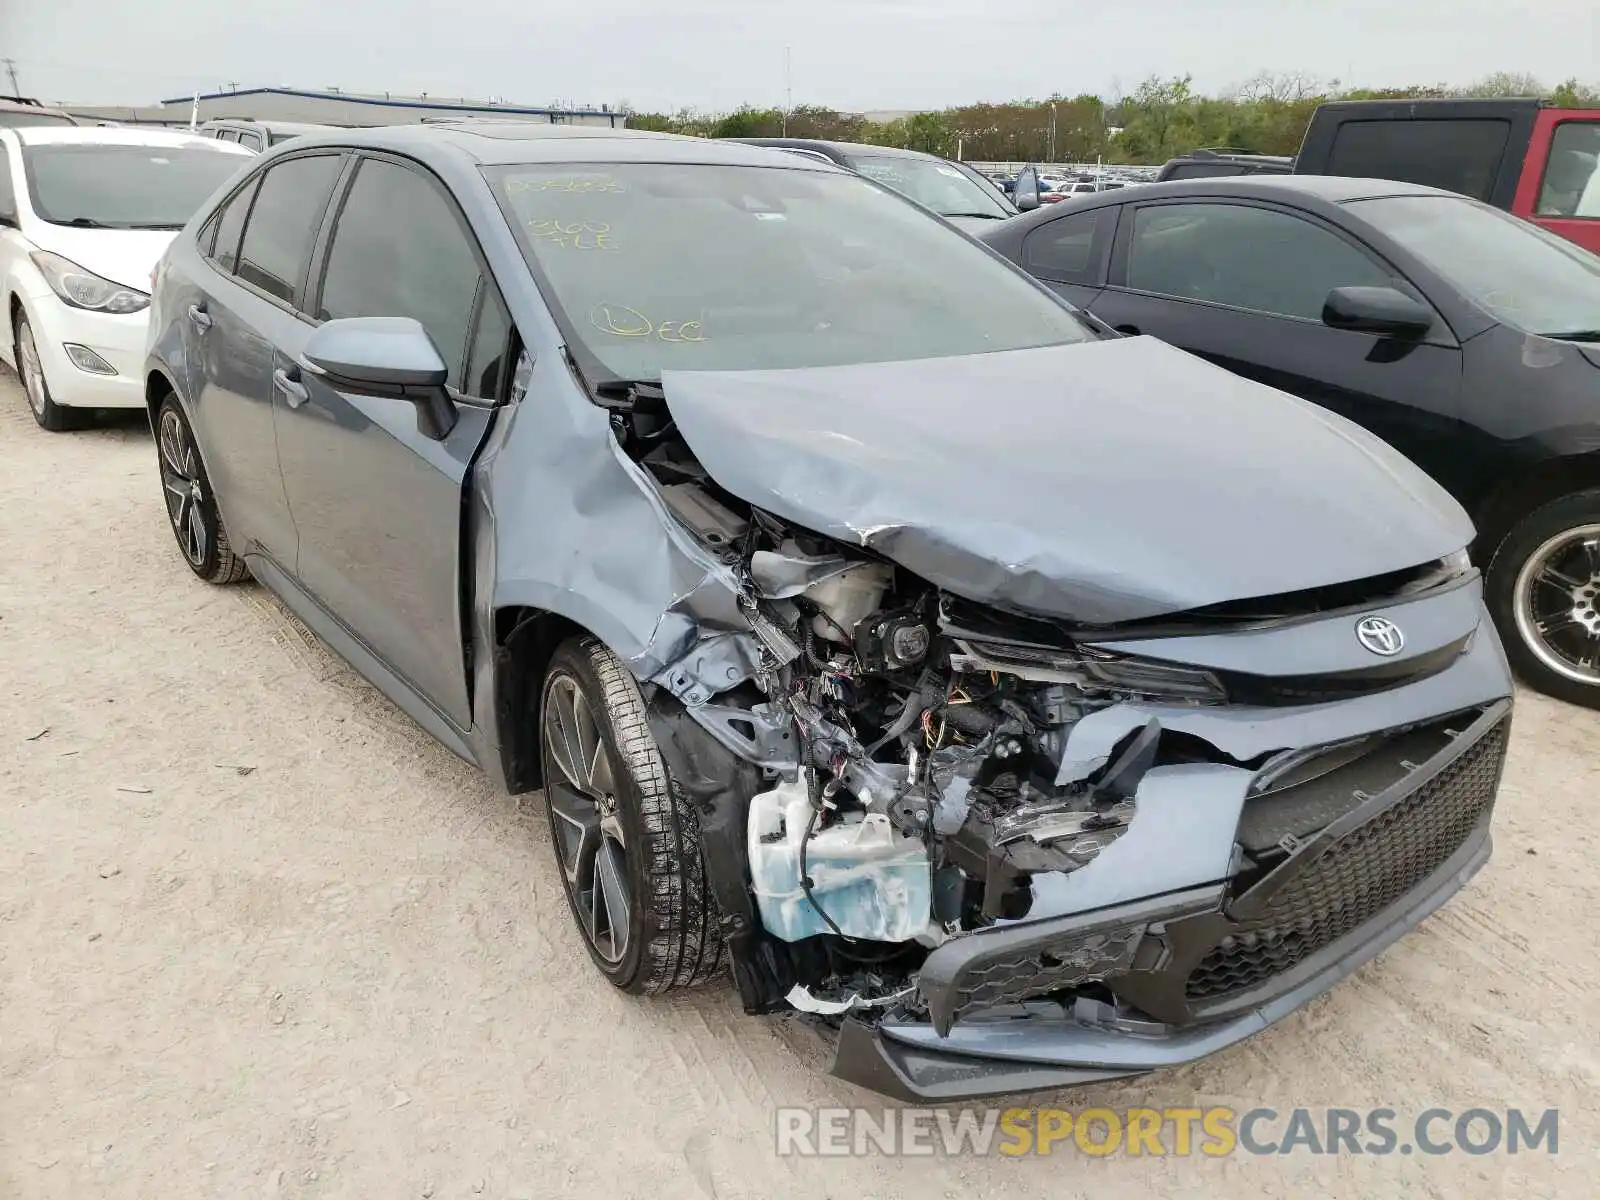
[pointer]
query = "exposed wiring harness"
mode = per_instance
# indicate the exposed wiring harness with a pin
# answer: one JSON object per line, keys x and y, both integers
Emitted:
{"x": 818, "y": 803}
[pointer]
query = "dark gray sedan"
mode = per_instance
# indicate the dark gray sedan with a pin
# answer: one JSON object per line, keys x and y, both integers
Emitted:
{"x": 1026, "y": 705}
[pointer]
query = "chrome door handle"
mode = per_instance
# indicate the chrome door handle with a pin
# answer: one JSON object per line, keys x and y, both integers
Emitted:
{"x": 201, "y": 319}
{"x": 293, "y": 390}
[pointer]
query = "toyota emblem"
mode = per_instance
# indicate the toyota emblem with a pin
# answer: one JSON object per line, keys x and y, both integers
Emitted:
{"x": 1380, "y": 635}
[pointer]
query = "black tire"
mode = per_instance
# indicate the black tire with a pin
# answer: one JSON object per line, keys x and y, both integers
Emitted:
{"x": 671, "y": 931}
{"x": 1513, "y": 579}
{"x": 50, "y": 416}
{"x": 191, "y": 505}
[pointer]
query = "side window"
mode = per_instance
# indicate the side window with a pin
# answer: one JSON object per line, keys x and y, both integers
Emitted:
{"x": 222, "y": 244}
{"x": 1457, "y": 155}
{"x": 1571, "y": 185}
{"x": 250, "y": 139}
{"x": 277, "y": 241}
{"x": 1063, "y": 249}
{"x": 491, "y": 344}
{"x": 1244, "y": 257}
{"x": 399, "y": 250}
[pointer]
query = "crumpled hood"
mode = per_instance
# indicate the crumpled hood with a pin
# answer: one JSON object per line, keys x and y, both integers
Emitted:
{"x": 1101, "y": 482}
{"x": 125, "y": 256}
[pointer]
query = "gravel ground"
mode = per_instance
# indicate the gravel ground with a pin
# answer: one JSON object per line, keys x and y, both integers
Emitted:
{"x": 259, "y": 936}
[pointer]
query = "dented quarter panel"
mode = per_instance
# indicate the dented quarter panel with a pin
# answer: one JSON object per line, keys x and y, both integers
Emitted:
{"x": 579, "y": 531}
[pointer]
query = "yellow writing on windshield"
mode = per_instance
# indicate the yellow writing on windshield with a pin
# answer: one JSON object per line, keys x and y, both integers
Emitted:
{"x": 572, "y": 235}
{"x": 585, "y": 184}
{"x": 621, "y": 321}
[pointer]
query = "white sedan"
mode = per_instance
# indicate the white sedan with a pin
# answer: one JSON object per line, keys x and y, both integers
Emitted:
{"x": 85, "y": 213}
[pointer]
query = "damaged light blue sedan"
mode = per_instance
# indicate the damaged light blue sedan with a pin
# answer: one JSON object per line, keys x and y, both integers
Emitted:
{"x": 1026, "y": 704}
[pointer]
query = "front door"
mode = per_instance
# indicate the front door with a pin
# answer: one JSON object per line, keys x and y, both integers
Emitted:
{"x": 378, "y": 506}
{"x": 1243, "y": 286}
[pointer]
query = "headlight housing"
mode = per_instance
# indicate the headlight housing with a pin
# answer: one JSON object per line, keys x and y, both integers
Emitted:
{"x": 1095, "y": 670}
{"x": 84, "y": 289}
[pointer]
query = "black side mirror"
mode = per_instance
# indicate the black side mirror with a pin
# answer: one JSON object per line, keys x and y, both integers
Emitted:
{"x": 1025, "y": 193}
{"x": 1383, "y": 310}
{"x": 384, "y": 356}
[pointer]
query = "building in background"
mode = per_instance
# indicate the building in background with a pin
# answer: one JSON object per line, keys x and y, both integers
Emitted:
{"x": 339, "y": 108}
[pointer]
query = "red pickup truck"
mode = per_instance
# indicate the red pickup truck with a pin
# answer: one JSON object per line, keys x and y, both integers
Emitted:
{"x": 1533, "y": 160}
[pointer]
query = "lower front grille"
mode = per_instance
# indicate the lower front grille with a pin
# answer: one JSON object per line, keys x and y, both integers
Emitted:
{"x": 1359, "y": 876}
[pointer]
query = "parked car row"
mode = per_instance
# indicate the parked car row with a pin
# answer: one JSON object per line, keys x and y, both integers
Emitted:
{"x": 84, "y": 215}
{"x": 1466, "y": 338}
{"x": 1522, "y": 155}
{"x": 1025, "y": 700}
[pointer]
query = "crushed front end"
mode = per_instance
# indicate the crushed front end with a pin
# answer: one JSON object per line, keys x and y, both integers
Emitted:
{"x": 996, "y": 854}
{"x": 996, "y": 847}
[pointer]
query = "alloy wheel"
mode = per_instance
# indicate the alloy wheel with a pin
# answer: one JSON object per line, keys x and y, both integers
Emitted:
{"x": 1557, "y": 603}
{"x": 32, "y": 370}
{"x": 185, "y": 493}
{"x": 581, "y": 791}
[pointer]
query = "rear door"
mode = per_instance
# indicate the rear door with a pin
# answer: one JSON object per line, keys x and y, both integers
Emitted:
{"x": 259, "y": 257}
{"x": 379, "y": 507}
{"x": 1560, "y": 187}
{"x": 1243, "y": 284}
{"x": 1069, "y": 252}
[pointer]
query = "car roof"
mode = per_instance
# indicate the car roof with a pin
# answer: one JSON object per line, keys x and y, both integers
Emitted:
{"x": 491, "y": 143}
{"x": 847, "y": 149}
{"x": 115, "y": 135}
{"x": 1330, "y": 189}
{"x": 299, "y": 127}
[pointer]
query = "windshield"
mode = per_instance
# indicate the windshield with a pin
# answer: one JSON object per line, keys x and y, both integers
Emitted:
{"x": 657, "y": 267}
{"x": 936, "y": 184}
{"x": 13, "y": 118}
{"x": 1521, "y": 274}
{"x": 117, "y": 186}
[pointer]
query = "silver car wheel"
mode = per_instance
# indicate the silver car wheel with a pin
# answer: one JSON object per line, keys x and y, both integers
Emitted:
{"x": 32, "y": 370}
{"x": 180, "y": 480}
{"x": 1556, "y": 602}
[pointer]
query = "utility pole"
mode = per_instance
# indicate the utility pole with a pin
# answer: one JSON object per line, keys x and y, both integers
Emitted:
{"x": 1052, "y": 133}
{"x": 233, "y": 85}
{"x": 788, "y": 87}
{"x": 11, "y": 70}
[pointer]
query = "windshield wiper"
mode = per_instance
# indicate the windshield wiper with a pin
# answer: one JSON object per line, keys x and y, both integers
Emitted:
{"x": 988, "y": 216}
{"x": 1575, "y": 335}
{"x": 84, "y": 223}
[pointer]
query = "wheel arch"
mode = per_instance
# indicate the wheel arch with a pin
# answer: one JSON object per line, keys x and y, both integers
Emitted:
{"x": 525, "y": 639}
{"x": 158, "y": 386}
{"x": 1530, "y": 489}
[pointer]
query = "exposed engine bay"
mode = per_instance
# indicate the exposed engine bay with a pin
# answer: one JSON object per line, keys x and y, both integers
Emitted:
{"x": 910, "y": 745}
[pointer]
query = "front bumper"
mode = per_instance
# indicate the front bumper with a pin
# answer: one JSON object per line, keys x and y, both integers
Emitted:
{"x": 1199, "y": 969}
{"x": 118, "y": 339}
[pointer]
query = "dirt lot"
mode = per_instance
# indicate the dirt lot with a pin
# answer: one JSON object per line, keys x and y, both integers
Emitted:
{"x": 260, "y": 937}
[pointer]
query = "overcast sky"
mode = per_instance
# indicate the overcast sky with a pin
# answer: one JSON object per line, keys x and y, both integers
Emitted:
{"x": 716, "y": 54}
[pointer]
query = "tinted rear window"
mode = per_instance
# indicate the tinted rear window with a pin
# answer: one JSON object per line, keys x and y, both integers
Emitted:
{"x": 1202, "y": 170}
{"x": 283, "y": 222}
{"x": 1459, "y": 156}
